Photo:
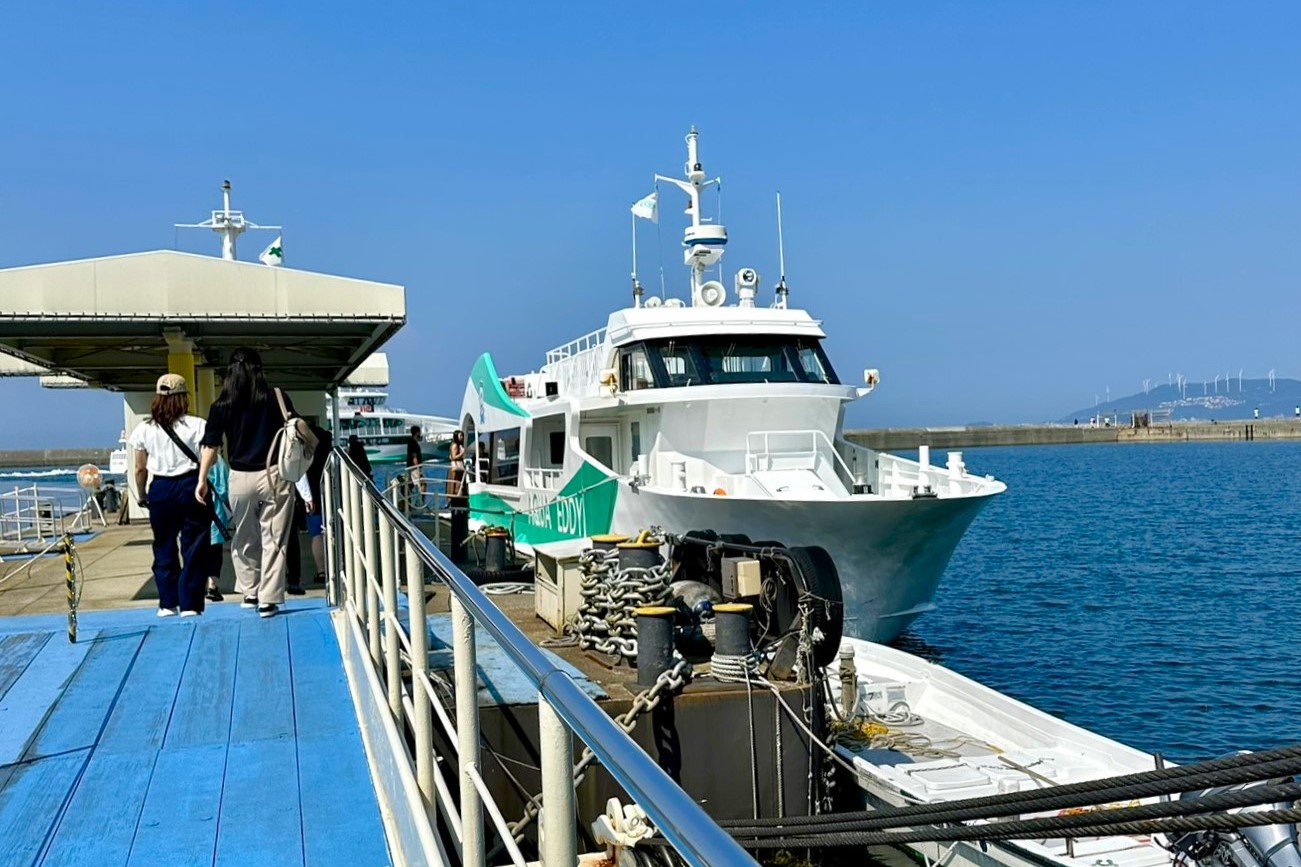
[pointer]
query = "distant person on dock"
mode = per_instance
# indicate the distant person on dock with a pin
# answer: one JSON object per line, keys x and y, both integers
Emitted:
{"x": 221, "y": 530}
{"x": 456, "y": 468}
{"x": 357, "y": 452}
{"x": 415, "y": 487}
{"x": 246, "y": 417}
{"x": 167, "y": 447}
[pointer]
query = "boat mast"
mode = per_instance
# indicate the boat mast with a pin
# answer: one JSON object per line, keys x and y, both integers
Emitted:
{"x": 227, "y": 223}
{"x": 703, "y": 242}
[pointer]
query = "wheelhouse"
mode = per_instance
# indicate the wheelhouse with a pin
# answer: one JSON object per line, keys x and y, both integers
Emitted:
{"x": 722, "y": 359}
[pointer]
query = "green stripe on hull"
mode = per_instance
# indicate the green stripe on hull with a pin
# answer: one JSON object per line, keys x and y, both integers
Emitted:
{"x": 584, "y": 507}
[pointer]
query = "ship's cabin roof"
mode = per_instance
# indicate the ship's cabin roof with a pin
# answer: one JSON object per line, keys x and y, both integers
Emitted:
{"x": 634, "y": 324}
{"x": 661, "y": 347}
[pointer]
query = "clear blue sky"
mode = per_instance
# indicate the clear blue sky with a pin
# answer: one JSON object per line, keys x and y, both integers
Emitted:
{"x": 1006, "y": 207}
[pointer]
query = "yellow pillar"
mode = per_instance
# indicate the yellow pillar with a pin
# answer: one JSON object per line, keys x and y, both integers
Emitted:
{"x": 182, "y": 363}
{"x": 205, "y": 391}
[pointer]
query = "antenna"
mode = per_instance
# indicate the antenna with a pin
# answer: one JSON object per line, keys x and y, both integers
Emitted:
{"x": 781, "y": 291}
{"x": 227, "y": 223}
{"x": 704, "y": 241}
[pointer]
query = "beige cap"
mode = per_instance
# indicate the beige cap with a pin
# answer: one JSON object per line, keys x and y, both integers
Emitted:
{"x": 170, "y": 383}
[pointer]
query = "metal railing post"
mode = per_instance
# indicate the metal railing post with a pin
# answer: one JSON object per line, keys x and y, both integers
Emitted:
{"x": 329, "y": 493}
{"x": 369, "y": 574}
{"x": 467, "y": 734}
{"x": 559, "y": 815}
{"x": 352, "y": 496}
{"x": 419, "y": 671}
{"x": 392, "y": 655}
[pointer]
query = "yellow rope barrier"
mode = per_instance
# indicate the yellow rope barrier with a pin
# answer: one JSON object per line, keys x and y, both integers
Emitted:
{"x": 70, "y": 587}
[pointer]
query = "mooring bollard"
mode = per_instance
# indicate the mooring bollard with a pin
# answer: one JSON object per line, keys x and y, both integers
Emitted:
{"x": 640, "y": 553}
{"x": 460, "y": 529}
{"x": 607, "y": 541}
{"x": 494, "y": 545}
{"x": 732, "y": 628}
{"x": 654, "y": 642}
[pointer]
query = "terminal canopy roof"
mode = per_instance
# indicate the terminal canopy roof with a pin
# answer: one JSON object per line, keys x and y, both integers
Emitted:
{"x": 112, "y": 321}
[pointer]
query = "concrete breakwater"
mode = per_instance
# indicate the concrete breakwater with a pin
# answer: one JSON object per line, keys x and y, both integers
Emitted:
{"x": 1247, "y": 430}
{"x": 54, "y": 457}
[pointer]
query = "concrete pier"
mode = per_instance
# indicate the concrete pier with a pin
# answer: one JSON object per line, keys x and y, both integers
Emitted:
{"x": 54, "y": 457}
{"x": 1245, "y": 430}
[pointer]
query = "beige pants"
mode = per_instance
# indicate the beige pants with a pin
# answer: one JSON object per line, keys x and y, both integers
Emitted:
{"x": 263, "y": 512}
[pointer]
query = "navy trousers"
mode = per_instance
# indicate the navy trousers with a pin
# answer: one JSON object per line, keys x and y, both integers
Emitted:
{"x": 173, "y": 513}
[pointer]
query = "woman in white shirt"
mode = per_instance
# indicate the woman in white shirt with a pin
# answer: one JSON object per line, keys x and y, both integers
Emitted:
{"x": 167, "y": 447}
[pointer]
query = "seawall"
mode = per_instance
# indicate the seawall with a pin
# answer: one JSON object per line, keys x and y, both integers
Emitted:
{"x": 54, "y": 457}
{"x": 1248, "y": 430}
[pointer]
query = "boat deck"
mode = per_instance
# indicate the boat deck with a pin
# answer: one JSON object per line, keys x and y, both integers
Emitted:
{"x": 220, "y": 740}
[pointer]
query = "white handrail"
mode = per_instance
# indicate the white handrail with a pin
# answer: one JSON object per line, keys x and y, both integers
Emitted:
{"x": 373, "y": 547}
{"x": 815, "y": 436}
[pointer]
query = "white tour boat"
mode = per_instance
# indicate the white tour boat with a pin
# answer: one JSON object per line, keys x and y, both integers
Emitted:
{"x": 714, "y": 415}
{"x": 384, "y": 430}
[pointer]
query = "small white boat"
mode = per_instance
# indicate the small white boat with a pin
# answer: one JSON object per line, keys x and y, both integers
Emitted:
{"x": 384, "y": 430}
{"x": 700, "y": 413}
{"x": 949, "y": 738}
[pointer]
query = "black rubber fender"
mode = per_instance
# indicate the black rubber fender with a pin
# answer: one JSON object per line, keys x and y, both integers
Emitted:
{"x": 815, "y": 573}
{"x": 734, "y": 539}
{"x": 691, "y": 561}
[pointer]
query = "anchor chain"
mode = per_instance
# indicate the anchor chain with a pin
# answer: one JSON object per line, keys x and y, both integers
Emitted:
{"x": 607, "y": 620}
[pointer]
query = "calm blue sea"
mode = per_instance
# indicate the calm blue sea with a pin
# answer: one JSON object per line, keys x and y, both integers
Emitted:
{"x": 1147, "y": 592}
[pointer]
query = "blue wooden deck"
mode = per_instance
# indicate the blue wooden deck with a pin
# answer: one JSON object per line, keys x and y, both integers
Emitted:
{"x": 219, "y": 740}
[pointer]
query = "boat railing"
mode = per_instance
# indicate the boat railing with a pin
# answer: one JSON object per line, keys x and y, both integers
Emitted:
{"x": 541, "y": 477}
{"x": 28, "y": 517}
{"x": 795, "y": 449}
{"x": 576, "y": 365}
{"x": 902, "y": 477}
{"x": 591, "y": 340}
{"x": 374, "y": 550}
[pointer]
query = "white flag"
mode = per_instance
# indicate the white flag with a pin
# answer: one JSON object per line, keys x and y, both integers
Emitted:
{"x": 648, "y": 208}
{"x": 273, "y": 255}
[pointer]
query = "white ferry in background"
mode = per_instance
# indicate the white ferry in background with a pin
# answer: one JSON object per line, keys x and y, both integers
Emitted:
{"x": 708, "y": 415}
{"x": 384, "y": 430}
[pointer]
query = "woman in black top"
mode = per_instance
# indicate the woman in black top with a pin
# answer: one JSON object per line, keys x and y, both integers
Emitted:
{"x": 247, "y": 417}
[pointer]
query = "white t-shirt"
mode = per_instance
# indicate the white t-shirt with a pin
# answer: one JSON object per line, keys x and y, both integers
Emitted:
{"x": 165, "y": 459}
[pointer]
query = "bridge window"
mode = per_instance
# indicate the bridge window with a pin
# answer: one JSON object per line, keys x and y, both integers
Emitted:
{"x": 722, "y": 359}
{"x": 634, "y": 370}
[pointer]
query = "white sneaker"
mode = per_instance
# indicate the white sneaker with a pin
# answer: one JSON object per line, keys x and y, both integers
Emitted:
{"x": 191, "y": 613}
{"x": 166, "y": 612}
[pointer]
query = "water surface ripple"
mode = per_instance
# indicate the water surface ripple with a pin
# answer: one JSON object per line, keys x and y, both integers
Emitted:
{"x": 1146, "y": 592}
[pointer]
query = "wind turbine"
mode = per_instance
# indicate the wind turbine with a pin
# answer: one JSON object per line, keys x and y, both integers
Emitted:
{"x": 1239, "y": 380}
{"x": 1217, "y": 383}
{"x": 1271, "y": 380}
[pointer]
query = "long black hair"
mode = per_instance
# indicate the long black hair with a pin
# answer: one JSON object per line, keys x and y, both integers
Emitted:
{"x": 245, "y": 385}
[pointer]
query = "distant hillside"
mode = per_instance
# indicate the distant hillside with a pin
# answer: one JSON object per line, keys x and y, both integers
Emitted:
{"x": 1226, "y": 403}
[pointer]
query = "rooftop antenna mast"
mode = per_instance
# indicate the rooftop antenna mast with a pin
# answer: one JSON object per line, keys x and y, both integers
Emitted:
{"x": 227, "y": 223}
{"x": 703, "y": 242}
{"x": 782, "y": 291}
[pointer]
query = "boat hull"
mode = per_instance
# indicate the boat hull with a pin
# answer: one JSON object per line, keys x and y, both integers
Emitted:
{"x": 889, "y": 553}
